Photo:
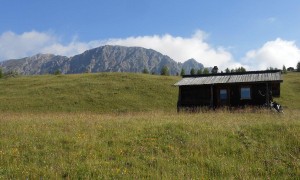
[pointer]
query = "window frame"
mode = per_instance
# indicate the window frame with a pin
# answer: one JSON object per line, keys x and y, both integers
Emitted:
{"x": 249, "y": 96}
{"x": 225, "y": 90}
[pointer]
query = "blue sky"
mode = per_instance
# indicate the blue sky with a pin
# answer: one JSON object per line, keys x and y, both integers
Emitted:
{"x": 256, "y": 34}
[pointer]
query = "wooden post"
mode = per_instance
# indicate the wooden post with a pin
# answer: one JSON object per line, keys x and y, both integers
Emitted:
{"x": 179, "y": 99}
{"x": 267, "y": 95}
{"x": 211, "y": 96}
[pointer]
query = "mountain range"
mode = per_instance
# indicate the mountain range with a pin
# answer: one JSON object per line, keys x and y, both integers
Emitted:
{"x": 102, "y": 59}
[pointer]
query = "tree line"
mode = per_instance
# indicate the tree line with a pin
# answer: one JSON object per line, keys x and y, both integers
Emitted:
{"x": 166, "y": 72}
{"x": 285, "y": 70}
{"x": 206, "y": 71}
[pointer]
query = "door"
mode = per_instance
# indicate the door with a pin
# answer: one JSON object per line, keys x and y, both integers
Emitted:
{"x": 223, "y": 97}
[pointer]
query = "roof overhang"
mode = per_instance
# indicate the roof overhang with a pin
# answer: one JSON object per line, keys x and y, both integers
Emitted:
{"x": 232, "y": 78}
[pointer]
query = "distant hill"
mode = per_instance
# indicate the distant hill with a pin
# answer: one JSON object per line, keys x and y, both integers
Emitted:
{"x": 89, "y": 92}
{"x": 102, "y": 59}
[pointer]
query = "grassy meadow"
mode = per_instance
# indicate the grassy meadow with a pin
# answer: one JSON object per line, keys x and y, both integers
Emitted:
{"x": 125, "y": 126}
{"x": 101, "y": 93}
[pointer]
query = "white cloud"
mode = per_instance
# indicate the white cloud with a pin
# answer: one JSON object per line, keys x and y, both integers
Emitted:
{"x": 14, "y": 46}
{"x": 181, "y": 49}
{"x": 178, "y": 48}
{"x": 273, "y": 54}
{"x": 30, "y": 43}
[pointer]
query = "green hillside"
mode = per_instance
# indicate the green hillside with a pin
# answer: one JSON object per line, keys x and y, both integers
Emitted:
{"x": 107, "y": 92}
{"x": 290, "y": 91}
{"x": 101, "y": 92}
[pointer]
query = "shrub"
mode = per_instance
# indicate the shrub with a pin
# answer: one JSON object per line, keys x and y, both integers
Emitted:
{"x": 11, "y": 74}
{"x": 145, "y": 71}
{"x": 57, "y": 72}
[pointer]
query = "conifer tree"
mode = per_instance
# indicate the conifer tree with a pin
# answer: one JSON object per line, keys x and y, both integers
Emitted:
{"x": 165, "y": 71}
{"x": 199, "y": 72}
{"x": 227, "y": 70}
{"x": 284, "y": 71}
{"x": 205, "y": 71}
{"x": 182, "y": 72}
{"x": 192, "y": 71}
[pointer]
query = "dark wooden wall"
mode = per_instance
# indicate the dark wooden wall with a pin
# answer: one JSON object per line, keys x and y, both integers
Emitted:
{"x": 194, "y": 95}
{"x": 191, "y": 96}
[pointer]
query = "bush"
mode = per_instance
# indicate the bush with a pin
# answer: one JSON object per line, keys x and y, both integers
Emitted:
{"x": 11, "y": 74}
{"x": 145, "y": 71}
{"x": 57, "y": 72}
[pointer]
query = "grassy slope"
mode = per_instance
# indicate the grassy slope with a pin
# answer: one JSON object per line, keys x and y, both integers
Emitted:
{"x": 103, "y": 92}
{"x": 290, "y": 91}
{"x": 106, "y": 93}
{"x": 149, "y": 141}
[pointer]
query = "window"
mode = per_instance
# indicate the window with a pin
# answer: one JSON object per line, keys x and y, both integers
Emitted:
{"x": 223, "y": 94}
{"x": 245, "y": 93}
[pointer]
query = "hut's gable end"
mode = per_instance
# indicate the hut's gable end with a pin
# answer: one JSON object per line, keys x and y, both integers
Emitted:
{"x": 195, "y": 95}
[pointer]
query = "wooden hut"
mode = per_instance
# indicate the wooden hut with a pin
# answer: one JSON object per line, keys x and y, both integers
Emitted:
{"x": 229, "y": 89}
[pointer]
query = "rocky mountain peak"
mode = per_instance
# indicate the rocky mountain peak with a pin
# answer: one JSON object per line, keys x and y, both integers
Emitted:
{"x": 191, "y": 63}
{"x": 106, "y": 58}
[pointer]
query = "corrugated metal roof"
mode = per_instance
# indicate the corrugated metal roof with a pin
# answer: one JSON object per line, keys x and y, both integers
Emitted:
{"x": 228, "y": 78}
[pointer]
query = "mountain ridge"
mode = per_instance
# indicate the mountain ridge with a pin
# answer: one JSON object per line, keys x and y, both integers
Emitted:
{"x": 106, "y": 58}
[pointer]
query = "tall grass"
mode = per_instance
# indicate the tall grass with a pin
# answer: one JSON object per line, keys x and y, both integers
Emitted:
{"x": 114, "y": 125}
{"x": 150, "y": 145}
